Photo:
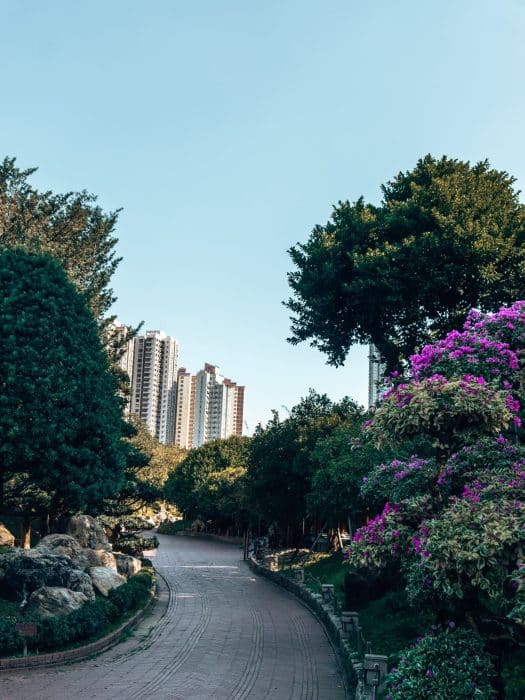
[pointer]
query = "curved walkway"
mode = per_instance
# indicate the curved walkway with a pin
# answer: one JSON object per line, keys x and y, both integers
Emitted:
{"x": 217, "y": 633}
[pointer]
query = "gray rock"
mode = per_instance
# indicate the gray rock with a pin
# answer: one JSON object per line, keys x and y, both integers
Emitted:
{"x": 25, "y": 570}
{"x": 105, "y": 579}
{"x": 7, "y": 539}
{"x": 99, "y": 557}
{"x": 54, "y": 601}
{"x": 88, "y": 532}
{"x": 65, "y": 544}
{"x": 126, "y": 564}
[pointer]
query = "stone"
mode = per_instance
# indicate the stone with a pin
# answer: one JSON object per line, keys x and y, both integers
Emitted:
{"x": 99, "y": 557}
{"x": 88, "y": 532}
{"x": 23, "y": 571}
{"x": 127, "y": 565}
{"x": 54, "y": 601}
{"x": 65, "y": 544}
{"x": 7, "y": 539}
{"x": 104, "y": 579}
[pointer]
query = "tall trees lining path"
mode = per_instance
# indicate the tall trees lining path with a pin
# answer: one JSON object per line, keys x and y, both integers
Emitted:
{"x": 218, "y": 633}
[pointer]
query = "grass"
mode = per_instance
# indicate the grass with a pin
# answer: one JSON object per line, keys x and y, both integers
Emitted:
{"x": 389, "y": 623}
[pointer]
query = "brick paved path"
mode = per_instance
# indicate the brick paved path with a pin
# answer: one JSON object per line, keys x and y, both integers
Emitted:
{"x": 218, "y": 633}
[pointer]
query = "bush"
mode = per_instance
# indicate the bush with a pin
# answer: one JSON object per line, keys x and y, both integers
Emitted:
{"x": 136, "y": 545}
{"x": 171, "y": 528}
{"x": 449, "y": 664}
{"x": 94, "y": 617}
{"x": 11, "y": 641}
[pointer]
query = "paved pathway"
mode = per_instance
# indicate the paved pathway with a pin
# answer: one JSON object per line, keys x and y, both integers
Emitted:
{"x": 218, "y": 633}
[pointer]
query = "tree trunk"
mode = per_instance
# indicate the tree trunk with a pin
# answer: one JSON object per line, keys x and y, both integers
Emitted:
{"x": 25, "y": 537}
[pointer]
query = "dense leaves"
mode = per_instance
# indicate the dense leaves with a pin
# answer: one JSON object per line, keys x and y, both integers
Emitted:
{"x": 364, "y": 276}
{"x": 60, "y": 420}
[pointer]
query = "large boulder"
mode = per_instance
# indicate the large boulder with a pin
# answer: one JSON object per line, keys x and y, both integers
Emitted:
{"x": 99, "y": 557}
{"x": 127, "y": 565}
{"x": 104, "y": 579}
{"x": 88, "y": 532}
{"x": 23, "y": 571}
{"x": 7, "y": 539}
{"x": 65, "y": 544}
{"x": 54, "y": 601}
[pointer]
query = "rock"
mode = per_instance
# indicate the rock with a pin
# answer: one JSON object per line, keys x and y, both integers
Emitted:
{"x": 54, "y": 601}
{"x": 126, "y": 564}
{"x": 6, "y": 538}
{"x": 99, "y": 557}
{"x": 88, "y": 532}
{"x": 65, "y": 544}
{"x": 105, "y": 579}
{"x": 25, "y": 570}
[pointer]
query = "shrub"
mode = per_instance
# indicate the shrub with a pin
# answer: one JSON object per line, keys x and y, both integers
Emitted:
{"x": 171, "y": 528}
{"x": 136, "y": 545}
{"x": 11, "y": 641}
{"x": 449, "y": 664}
{"x": 95, "y": 616}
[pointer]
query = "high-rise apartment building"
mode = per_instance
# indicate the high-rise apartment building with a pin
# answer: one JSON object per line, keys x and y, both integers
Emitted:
{"x": 154, "y": 384}
{"x": 376, "y": 375}
{"x": 185, "y": 409}
{"x": 119, "y": 332}
{"x": 217, "y": 411}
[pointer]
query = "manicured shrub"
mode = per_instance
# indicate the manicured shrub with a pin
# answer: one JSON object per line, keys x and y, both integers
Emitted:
{"x": 136, "y": 545}
{"x": 449, "y": 664}
{"x": 11, "y": 641}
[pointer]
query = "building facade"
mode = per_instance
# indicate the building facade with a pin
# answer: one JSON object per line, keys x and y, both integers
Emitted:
{"x": 376, "y": 376}
{"x": 154, "y": 383}
{"x": 218, "y": 406}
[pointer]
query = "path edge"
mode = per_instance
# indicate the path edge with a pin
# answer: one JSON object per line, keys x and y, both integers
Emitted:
{"x": 325, "y": 615}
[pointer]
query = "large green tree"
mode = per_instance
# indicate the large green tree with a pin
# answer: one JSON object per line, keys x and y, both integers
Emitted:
{"x": 282, "y": 461}
{"x": 60, "y": 419}
{"x": 209, "y": 482}
{"x": 70, "y": 227}
{"x": 446, "y": 237}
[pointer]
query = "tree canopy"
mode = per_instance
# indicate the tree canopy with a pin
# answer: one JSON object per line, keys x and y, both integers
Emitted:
{"x": 209, "y": 482}
{"x": 447, "y": 236}
{"x": 282, "y": 460}
{"x": 60, "y": 419}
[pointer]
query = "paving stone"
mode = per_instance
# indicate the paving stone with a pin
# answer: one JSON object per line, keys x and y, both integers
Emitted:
{"x": 218, "y": 632}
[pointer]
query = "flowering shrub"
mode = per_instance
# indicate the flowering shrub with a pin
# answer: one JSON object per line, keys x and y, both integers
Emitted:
{"x": 442, "y": 409}
{"x": 469, "y": 352}
{"x": 386, "y": 537}
{"x": 449, "y": 664}
{"x": 398, "y": 480}
{"x": 506, "y": 325}
{"x": 475, "y": 543}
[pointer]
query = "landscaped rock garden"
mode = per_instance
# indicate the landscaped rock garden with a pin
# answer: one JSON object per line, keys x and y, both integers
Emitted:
{"x": 66, "y": 574}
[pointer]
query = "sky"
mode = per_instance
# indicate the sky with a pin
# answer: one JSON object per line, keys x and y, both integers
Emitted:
{"x": 227, "y": 129}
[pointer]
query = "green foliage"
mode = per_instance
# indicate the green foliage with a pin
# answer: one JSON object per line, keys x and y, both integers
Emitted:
{"x": 94, "y": 618}
{"x": 11, "y": 641}
{"x": 69, "y": 227}
{"x": 136, "y": 545}
{"x": 172, "y": 528}
{"x": 445, "y": 411}
{"x": 363, "y": 277}
{"x": 449, "y": 664}
{"x": 60, "y": 419}
{"x": 340, "y": 462}
{"x": 209, "y": 482}
{"x": 283, "y": 462}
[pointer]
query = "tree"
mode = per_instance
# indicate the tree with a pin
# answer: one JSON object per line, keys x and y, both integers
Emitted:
{"x": 71, "y": 228}
{"x": 453, "y": 525}
{"x": 60, "y": 419}
{"x": 209, "y": 482}
{"x": 447, "y": 237}
{"x": 282, "y": 463}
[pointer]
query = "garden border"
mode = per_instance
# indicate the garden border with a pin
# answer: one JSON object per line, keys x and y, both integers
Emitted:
{"x": 78, "y": 653}
{"x": 331, "y": 623}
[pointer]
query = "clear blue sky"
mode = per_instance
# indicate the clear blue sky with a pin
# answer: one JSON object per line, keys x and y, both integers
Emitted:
{"x": 226, "y": 129}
